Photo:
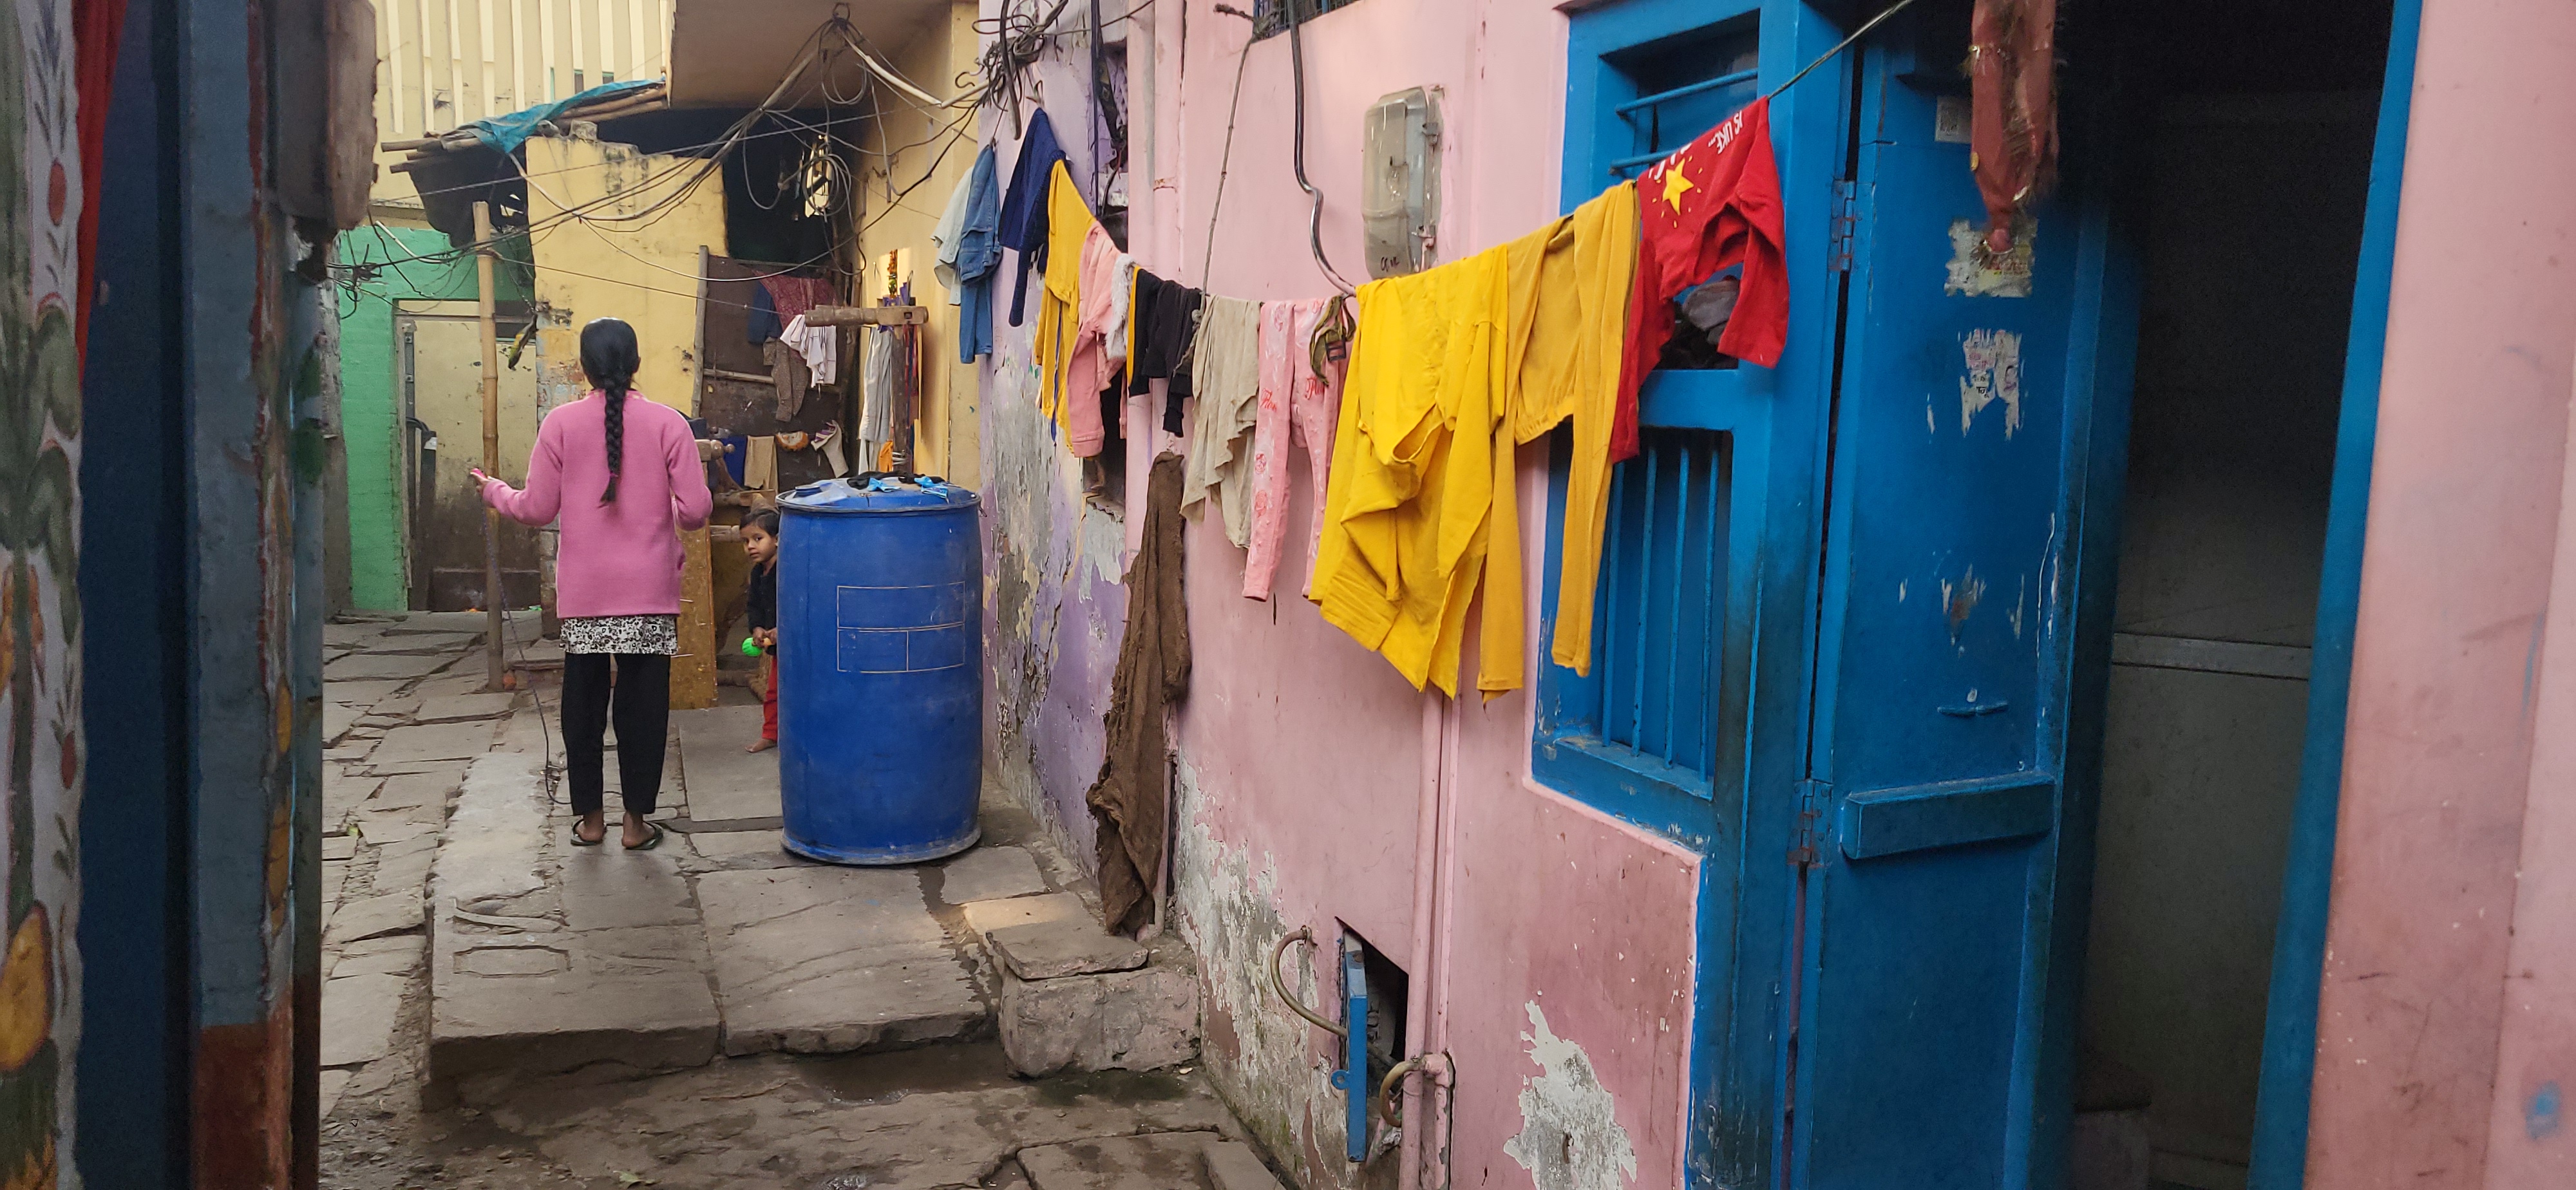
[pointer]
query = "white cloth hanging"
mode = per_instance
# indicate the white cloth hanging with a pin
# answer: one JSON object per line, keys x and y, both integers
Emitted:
{"x": 876, "y": 392}
{"x": 820, "y": 345}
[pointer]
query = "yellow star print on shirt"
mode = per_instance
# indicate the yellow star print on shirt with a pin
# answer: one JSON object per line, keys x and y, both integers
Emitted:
{"x": 1675, "y": 185}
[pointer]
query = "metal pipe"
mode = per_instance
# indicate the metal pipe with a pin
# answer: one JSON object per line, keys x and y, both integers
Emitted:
{"x": 1315, "y": 212}
{"x": 1443, "y": 893}
{"x": 1386, "y": 1108}
{"x": 1279, "y": 983}
{"x": 1641, "y": 103}
{"x": 1426, "y": 867}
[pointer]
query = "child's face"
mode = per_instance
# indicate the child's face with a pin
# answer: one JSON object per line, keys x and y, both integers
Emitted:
{"x": 762, "y": 547}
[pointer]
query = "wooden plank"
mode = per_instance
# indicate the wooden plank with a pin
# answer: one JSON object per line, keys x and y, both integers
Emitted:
{"x": 693, "y": 672}
{"x": 873, "y": 315}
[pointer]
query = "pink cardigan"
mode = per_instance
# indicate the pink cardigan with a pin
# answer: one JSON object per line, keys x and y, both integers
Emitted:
{"x": 620, "y": 559}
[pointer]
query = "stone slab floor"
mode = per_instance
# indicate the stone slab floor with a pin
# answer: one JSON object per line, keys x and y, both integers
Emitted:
{"x": 442, "y": 850}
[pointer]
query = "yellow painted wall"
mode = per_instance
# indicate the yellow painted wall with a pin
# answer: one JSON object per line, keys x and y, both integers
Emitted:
{"x": 444, "y": 63}
{"x": 945, "y": 441}
{"x": 644, "y": 272}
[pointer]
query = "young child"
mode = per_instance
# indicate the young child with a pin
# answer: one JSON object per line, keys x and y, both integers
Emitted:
{"x": 760, "y": 540}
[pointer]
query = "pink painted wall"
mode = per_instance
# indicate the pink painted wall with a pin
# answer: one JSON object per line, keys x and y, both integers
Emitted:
{"x": 1301, "y": 754}
{"x": 2449, "y": 999}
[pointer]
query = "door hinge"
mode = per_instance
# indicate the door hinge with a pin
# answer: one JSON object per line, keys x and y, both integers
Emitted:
{"x": 1846, "y": 222}
{"x": 1807, "y": 833}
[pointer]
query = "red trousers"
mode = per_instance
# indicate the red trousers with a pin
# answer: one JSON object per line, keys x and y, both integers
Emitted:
{"x": 769, "y": 702}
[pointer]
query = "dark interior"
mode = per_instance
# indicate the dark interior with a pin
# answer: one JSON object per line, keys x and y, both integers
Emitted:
{"x": 2249, "y": 128}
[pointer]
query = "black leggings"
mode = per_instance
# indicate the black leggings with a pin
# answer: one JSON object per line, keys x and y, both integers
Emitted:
{"x": 640, "y": 700}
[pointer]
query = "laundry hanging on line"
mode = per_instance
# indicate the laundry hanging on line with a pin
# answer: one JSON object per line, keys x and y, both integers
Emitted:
{"x": 1451, "y": 370}
{"x": 1163, "y": 316}
{"x": 1227, "y": 365}
{"x": 1022, "y": 221}
{"x": 967, "y": 261}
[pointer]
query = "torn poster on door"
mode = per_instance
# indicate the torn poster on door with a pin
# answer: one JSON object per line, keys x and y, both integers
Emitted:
{"x": 1994, "y": 374}
{"x": 1978, "y": 271}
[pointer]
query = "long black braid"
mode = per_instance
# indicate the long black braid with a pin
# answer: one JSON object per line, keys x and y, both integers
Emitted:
{"x": 610, "y": 358}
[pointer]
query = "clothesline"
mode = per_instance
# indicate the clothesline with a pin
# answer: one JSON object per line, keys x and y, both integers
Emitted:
{"x": 1412, "y": 435}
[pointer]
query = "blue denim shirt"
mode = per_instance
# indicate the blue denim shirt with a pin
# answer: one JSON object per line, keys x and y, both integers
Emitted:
{"x": 979, "y": 256}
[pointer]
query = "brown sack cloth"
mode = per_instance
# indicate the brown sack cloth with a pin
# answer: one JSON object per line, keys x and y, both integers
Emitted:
{"x": 1132, "y": 797}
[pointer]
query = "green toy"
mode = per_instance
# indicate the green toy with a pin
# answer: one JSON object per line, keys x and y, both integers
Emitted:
{"x": 750, "y": 648}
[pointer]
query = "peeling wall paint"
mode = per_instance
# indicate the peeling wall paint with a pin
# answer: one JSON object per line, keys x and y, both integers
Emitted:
{"x": 1272, "y": 1068}
{"x": 1570, "y": 1138}
{"x": 1298, "y": 755}
{"x": 1976, "y": 272}
{"x": 1994, "y": 374}
{"x": 1055, "y": 606}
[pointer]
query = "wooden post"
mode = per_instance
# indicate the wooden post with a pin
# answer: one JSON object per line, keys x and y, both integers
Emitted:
{"x": 693, "y": 672}
{"x": 494, "y": 674}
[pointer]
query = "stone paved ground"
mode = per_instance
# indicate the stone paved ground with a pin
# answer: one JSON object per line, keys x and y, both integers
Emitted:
{"x": 502, "y": 1010}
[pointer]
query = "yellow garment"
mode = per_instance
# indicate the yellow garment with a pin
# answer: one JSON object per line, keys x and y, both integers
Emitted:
{"x": 1568, "y": 320}
{"x": 1421, "y": 511}
{"x": 1127, "y": 365}
{"x": 1068, "y": 222}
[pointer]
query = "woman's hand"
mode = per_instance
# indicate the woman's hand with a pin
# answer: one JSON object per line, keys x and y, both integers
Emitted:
{"x": 479, "y": 477}
{"x": 768, "y": 637}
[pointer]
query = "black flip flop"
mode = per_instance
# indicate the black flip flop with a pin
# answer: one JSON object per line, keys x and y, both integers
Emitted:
{"x": 651, "y": 841}
{"x": 578, "y": 841}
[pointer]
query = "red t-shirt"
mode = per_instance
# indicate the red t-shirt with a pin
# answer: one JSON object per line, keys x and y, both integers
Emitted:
{"x": 1712, "y": 204}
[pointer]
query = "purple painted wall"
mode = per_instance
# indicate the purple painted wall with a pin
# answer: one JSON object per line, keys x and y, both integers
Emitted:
{"x": 1054, "y": 604}
{"x": 1558, "y": 963}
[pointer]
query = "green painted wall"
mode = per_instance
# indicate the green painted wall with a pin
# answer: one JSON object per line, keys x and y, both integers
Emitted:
{"x": 370, "y": 397}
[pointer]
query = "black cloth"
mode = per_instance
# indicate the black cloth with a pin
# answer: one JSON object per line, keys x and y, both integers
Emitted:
{"x": 1130, "y": 801}
{"x": 1165, "y": 313}
{"x": 762, "y": 321}
{"x": 639, "y": 699}
{"x": 764, "y": 596}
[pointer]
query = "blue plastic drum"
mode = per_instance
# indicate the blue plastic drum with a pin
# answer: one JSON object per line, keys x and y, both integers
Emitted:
{"x": 880, "y": 669}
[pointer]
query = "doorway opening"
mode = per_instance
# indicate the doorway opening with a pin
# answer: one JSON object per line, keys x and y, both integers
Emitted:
{"x": 2257, "y": 146}
{"x": 439, "y": 381}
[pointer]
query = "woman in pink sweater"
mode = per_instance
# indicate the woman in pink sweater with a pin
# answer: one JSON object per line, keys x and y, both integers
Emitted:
{"x": 625, "y": 477}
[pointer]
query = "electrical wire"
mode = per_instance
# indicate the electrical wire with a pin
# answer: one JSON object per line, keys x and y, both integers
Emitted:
{"x": 1846, "y": 43}
{"x": 794, "y": 127}
{"x": 683, "y": 178}
{"x": 1225, "y": 159}
{"x": 527, "y": 682}
{"x": 1315, "y": 212}
{"x": 697, "y": 169}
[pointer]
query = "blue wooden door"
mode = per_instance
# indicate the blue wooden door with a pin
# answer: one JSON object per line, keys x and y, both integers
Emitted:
{"x": 1932, "y": 978}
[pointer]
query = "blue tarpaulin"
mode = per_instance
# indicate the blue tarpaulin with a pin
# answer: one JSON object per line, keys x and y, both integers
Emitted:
{"x": 507, "y": 133}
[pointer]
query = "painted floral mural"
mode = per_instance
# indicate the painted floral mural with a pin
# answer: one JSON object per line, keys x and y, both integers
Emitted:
{"x": 40, "y": 623}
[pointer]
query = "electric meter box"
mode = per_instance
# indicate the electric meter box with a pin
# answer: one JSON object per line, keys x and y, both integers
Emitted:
{"x": 1400, "y": 184}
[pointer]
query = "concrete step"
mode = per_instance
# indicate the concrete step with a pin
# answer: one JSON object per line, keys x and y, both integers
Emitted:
{"x": 1165, "y": 1161}
{"x": 548, "y": 957}
{"x": 541, "y": 963}
{"x": 812, "y": 959}
{"x": 1076, "y": 998}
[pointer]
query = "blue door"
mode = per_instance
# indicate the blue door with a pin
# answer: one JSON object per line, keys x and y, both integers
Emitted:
{"x": 1940, "y": 858}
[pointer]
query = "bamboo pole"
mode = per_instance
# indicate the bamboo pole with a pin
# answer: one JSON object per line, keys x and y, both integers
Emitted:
{"x": 493, "y": 595}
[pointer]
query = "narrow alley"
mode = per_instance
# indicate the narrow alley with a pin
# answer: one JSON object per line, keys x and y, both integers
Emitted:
{"x": 500, "y": 1011}
{"x": 1287, "y": 594}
